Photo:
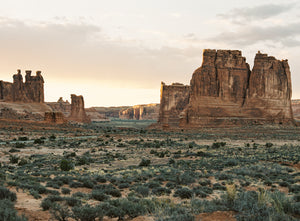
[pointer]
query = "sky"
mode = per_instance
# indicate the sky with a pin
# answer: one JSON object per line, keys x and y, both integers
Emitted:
{"x": 117, "y": 52}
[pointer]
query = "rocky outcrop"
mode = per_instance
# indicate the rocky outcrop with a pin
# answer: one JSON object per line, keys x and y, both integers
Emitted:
{"x": 94, "y": 115}
{"x": 78, "y": 113}
{"x": 296, "y": 109}
{"x": 61, "y": 106}
{"x": 140, "y": 112}
{"x": 223, "y": 91}
{"x": 55, "y": 117}
{"x": 173, "y": 99}
{"x": 30, "y": 91}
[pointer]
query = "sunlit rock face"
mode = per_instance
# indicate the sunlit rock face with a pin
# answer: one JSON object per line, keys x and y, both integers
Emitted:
{"x": 173, "y": 99}
{"x": 78, "y": 113}
{"x": 223, "y": 91}
{"x": 140, "y": 112}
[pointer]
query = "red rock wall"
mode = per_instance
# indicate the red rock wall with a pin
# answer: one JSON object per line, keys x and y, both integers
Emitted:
{"x": 173, "y": 99}
{"x": 224, "y": 91}
{"x": 77, "y": 110}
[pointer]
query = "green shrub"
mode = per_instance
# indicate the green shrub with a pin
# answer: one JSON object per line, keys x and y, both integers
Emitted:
{"x": 184, "y": 193}
{"x": 60, "y": 213}
{"x": 8, "y": 212}
{"x": 38, "y": 141}
{"x": 99, "y": 195}
{"x": 7, "y": 194}
{"x": 14, "y": 159}
{"x": 87, "y": 213}
{"x": 144, "y": 163}
{"x": 66, "y": 165}
{"x": 65, "y": 190}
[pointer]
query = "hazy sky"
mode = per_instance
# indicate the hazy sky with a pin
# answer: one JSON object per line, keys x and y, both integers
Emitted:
{"x": 117, "y": 52}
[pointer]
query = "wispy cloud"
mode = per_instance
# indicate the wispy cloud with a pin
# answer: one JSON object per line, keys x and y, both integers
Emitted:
{"x": 286, "y": 35}
{"x": 238, "y": 15}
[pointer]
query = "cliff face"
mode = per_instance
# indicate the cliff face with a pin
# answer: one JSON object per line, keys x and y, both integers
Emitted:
{"x": 32, "y": 91}
{"x": 173, "y": 99}
{"x": 77, "y": 110}
{"x": 296, "y": 109}
{"x": 140, "y": 112}
{"x": 270, "y": 90}
{"x": 224, "y": 91}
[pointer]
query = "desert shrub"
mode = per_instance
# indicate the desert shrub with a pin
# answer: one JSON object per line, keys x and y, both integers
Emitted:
{"x": 22, "y": 162}
{"x": 100, "y": 179}
{"x": 268, "y": 145}
{"x": 7, "y": 194}
{"x": 142, "y": 190}
{"x": 294, "y": 188}
{"x": 123, "y": 185}
{"x": 52, "y": 137}
{"x": 66, "y": 165}
{"x": 35, "y": 194}
{"x": 8, "y": 212}
{"x": 13, "y": 150}
{"x": 202, "y": 191}
{"x": 153, "y": 184}
{"x": 184, "y": 193}
{"x": 205, "y": 182}
{"x": 19, "y": 145}
{"x": 217, "y": 145}
{"x": 38, "y": 141}
{"x": 186, "y": 178}
{"x": 79, "y": 195}
{"x": 14, "y": 159}
{"x": 144, "y": 163}
{"x": 65, "y": 190}
{"x": 87, "y": 213}
{"x": 75, "y": 184}
{"x": 46, "y": 204}
{"x": 60, "y": 213}
{"x": 72, "y": 201}
{"x": 99, "y": 195}
{"x": 159, "y": 191}
{"x": 217, "y": 186}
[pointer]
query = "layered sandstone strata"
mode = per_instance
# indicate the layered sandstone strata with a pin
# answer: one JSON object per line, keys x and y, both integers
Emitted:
{"x": 55, "y": 117}
{"x": 296, "y": 109}
{"x": 30, "y": 91}
{"x": 61, "y": 106}
{"x": 173, "y": 99}
{"x": 78, "y": 113}
{"x": 140, "y": 112}
{"x": 223, "y": 91}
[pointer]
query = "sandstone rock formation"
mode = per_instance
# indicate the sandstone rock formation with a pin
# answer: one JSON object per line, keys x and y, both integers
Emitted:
{"x": 173, "y": 99}
{"x": 78, "y": 113}
{"x": 296, "y": 109}
{"x": 140, "y": 112}
{"x": 61, "y": 106}
{"x": 95, "y": 116}
{"x": 55, "y": 117}
{"x": 32, "y": 91}
{"x": 224, "y": 91}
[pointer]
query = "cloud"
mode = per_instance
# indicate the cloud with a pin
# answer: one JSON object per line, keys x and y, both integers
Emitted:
{"x": 286, "y": 35}
{"x": 81, "y": 52}
{"x": 238, "y": 15}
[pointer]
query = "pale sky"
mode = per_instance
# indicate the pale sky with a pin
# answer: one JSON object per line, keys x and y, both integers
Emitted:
{"x": 117, "y": 52}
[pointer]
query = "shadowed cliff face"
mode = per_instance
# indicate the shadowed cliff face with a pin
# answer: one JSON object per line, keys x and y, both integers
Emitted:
{"x": 32, "y": 91}
{"x": 77, "y": 110}
{"x": 224, "y": 91}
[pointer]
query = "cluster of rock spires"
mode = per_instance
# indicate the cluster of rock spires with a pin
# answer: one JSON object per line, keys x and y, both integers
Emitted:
{"x": 32, "y": 92}
{"x": 224, "y": 91}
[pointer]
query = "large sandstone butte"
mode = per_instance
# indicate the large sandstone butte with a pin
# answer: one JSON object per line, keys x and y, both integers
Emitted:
{"x": 30, "y": 91}
{"x": 77, "y": 110}
{"x": 296, "y": 109}
{"x": 224, "y": 91}
{"x": 140, "y": 112}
